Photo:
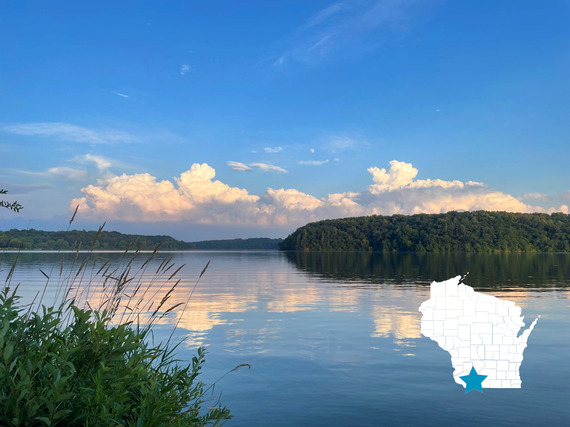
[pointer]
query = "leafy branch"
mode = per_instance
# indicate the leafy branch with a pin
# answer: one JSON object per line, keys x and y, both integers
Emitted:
{"x": 12, "y": 206}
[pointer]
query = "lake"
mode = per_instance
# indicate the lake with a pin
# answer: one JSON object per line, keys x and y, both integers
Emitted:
{"x": 334, "y": 339}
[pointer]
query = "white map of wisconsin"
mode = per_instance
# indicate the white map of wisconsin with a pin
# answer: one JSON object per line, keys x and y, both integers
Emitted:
{"x": 478, "y": 331}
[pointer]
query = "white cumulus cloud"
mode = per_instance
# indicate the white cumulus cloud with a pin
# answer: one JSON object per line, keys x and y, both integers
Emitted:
{"x": 293, "y": 199}
{"x": 399, "y": 175}
{"x": 197, "y": 197}
{"x": 194, "y": 196}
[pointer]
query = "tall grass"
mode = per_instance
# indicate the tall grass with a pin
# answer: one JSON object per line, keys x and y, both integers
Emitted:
{"x": 89, "y": 358}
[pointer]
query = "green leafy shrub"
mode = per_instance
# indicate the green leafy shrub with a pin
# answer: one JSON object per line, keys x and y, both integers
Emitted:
{"x": 72, "y": 365}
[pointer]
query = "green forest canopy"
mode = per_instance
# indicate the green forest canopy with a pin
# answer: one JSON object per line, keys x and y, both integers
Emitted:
{"x": 66, "y": 240}
{"x": 479, "y": 231}
{"x": 113, "y": 240}
{"x": 239, "y": 244}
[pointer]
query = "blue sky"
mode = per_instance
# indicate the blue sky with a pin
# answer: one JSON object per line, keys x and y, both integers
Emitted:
{"x": 290, "y": 111}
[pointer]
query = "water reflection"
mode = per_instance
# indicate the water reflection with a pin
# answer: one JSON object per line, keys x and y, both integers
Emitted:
{"x": 517, "y": 277}
{"x": 330, "y": 331}
{"x": 393, "y": 321}
{"x": 486, "y": 271}
{"x": 386, "y": 288}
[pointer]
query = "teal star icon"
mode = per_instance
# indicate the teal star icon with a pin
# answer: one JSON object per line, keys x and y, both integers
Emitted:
{"x": 473, "y": 381}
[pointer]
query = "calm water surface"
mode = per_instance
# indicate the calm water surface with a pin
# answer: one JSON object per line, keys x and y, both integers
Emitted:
{"x": 334, "y": 339}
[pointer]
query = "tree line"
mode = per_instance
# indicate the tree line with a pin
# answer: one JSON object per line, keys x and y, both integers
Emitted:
{"x": 479, "y": 231}
{"x": 239, "y": 244}
{"x": 113, "y": 240}
{"x": 68, "y": 240}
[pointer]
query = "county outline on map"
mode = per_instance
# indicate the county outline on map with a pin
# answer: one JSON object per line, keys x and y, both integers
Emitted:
{"x": 482, "y": 334}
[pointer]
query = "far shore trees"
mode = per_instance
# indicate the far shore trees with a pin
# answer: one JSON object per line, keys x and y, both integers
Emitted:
{"x": 479, "y": 231}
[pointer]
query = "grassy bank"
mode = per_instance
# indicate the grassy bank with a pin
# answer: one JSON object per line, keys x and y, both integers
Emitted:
{"x": 75, "y": 364}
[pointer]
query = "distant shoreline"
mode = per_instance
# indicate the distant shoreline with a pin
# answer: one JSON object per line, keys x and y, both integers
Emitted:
{"x": 73, "y": 240}
{"x": 118, "y": 251}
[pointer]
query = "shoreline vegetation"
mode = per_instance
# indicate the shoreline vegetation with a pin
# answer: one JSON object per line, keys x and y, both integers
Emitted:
{"x": 92, "y": 359}
{"x": 113, "y": 240}
{"x": 478, "y": 232}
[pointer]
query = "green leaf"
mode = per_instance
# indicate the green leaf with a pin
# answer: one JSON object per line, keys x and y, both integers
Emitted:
{"x": 61, "y": 413}
{"x": 8, "y": 351}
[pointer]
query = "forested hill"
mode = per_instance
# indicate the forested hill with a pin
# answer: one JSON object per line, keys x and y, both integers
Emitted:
{"x": 113, "y": 240}
{"x": 62, "y": 240}
{"x": 479, "y": 231}
{"x": 239, "y": 244}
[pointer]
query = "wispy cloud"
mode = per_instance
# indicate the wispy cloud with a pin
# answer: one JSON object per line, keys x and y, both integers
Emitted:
{"x": 273, "y": 149}
{"x": 338, "y": 143}
{"x": 67, "y": 172}
{"x": 122, "y": 95}
{"x": 534, "y": 196}
{"x": 324, "y": 14}
{"x": 16, "y": 189}
{"x": 184, "y": 69}
{"x": 347, "y": 24}
{"x": 101, "y": 162}
{"x": 70, "y": 132}
{"x": 268, "y": 167}
{"x": 57, "y": 171}
{"x": 312, "y": 162}
{"x": 78, "y": 171}
{"x": 544, "y": 199}
{"x": 238, "y": 166}
{"x": 242, "y": 167}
